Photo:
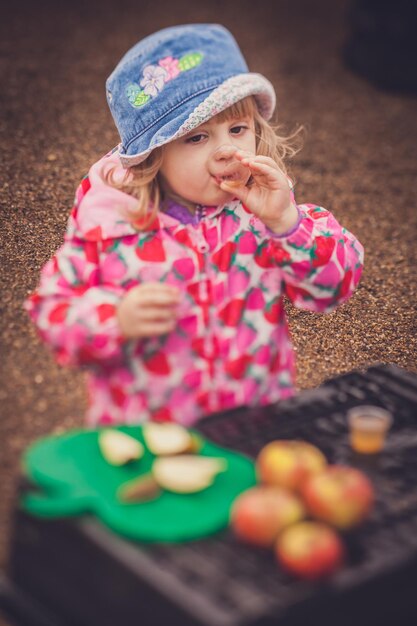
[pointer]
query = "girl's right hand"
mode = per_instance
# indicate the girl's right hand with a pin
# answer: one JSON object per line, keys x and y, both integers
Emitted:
{"x": 148, "y": 310}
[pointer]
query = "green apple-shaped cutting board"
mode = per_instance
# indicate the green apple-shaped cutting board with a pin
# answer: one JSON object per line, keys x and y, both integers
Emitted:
{"x": 75, "y": 479}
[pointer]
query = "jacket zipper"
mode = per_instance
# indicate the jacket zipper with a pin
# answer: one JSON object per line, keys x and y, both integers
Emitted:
{"x": 204, "y": 294}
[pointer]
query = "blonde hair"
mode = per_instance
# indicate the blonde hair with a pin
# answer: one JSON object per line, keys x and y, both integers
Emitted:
{"x": 143, "y": 181}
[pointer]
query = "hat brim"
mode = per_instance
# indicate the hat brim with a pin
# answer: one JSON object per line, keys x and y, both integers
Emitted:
{"x": 225, "y": 95}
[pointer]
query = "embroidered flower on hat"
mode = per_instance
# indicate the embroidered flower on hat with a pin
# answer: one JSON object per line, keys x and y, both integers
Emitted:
{"x": 171, "y": 66}
{"x": 155, "y": 77}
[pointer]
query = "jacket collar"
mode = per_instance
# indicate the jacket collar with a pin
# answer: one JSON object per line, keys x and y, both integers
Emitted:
{"x": 185, "y": 216}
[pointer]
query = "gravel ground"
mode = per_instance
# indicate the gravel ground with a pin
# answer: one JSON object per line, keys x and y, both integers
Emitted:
{"x": 359, "y": 160}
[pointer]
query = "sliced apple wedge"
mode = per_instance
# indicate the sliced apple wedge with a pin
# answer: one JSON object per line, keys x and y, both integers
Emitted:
{"x": 187, "y": 473}
{"x": 196, "y": 443}
{"x": 118, "y": 448}
{"x": 167, "y": 439}
{"x": 141, "y": 489}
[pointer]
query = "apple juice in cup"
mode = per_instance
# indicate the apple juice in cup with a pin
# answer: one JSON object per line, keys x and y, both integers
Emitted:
{"x": 368, "y": 428}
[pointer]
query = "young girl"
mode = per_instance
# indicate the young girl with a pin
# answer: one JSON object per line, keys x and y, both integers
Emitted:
{"x": 169, "y": 284}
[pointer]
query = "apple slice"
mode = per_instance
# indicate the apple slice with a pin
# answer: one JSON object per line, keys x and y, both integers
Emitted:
{"x": 141, "y": 489}
{"x": 167, "y": 439}
{"x": 196, "y": 443}
{"x": 118, "y": 448}
{"x": 187, "y": 473}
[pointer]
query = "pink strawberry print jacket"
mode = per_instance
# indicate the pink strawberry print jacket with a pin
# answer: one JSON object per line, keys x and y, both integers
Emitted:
{"x": 231, "y": 345}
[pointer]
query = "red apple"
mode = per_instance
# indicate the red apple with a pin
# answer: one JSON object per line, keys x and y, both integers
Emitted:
{"x": 260, "y": 513}
{"x": 340, "y": 495}
{"x": 288, "y": 463}
{"x": 309, "y": 550}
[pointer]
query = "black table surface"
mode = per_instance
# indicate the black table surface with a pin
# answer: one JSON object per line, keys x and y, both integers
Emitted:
{"x": 76, "y": 572}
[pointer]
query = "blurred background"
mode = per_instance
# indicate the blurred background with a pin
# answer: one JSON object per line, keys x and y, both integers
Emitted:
{"x": 346, "y": 71}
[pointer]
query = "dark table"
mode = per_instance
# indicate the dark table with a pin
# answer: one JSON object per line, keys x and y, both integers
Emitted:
{"x": 75, "y": 572}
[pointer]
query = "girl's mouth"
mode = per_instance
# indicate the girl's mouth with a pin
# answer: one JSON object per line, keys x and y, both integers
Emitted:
{"x": 232, "y": 179}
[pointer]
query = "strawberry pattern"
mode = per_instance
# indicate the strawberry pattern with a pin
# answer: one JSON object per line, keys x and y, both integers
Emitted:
{"x": 231, "y": 345}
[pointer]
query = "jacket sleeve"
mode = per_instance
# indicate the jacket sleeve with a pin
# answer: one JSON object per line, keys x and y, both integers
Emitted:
{"x": 321, "y": 261}
{"x": 73, "y": 312}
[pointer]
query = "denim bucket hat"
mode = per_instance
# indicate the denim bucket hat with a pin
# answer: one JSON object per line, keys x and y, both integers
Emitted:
{"x": 176, "y": 79}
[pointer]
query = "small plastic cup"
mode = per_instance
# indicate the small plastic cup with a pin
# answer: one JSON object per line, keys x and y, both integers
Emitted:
{"x": 368, "y": 427}
{"x": 233, "y": 171}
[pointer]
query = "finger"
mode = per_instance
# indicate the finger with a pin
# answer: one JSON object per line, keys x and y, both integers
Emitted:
{"x": 262, "y": 159}
{"x": 151, "y": 313}
{"x": 157, "y": 287}
{"x": 151, "y": 329}
{"x": 244, "y": 154}
{"x": 152, "y": 298}
{"x": 265, "y": 170}
{"x": 246, "y": 158}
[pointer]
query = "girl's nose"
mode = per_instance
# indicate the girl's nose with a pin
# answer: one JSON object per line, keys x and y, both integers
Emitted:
{"x": 224, "y": 152}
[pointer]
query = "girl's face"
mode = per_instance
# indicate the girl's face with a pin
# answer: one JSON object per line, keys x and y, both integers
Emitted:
{"x": 191, "y": 170}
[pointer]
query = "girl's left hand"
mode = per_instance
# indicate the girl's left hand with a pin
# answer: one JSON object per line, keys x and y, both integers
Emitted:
{"x": 268, "y": 197}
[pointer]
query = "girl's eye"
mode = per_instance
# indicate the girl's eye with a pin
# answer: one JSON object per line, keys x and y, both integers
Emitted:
{"x": 195, "y": 139}
{"x": 238, "y": 130}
